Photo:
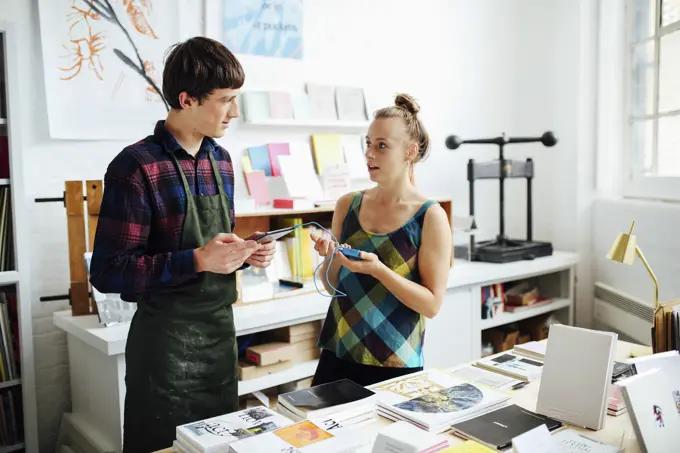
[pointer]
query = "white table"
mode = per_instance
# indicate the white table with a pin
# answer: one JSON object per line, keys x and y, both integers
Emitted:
{"x": 97, "y": 354}
{"x": 615, "y": 429}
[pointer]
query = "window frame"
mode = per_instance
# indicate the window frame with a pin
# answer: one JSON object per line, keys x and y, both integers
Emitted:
{"x": 635, "y": 183}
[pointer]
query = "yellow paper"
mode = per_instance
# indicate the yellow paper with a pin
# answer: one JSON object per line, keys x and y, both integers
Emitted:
{"x": 247, "y": 165}
{"x": 327, "y": 151}
{"x": 469, "y": 446}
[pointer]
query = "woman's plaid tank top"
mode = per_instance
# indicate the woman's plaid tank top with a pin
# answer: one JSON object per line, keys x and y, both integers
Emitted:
{"x": 370, "y": 325}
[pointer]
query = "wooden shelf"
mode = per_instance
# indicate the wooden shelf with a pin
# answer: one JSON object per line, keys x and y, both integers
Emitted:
{"x": 359, "y": 126}
{"x": 269, "y": 211}
{"x": 4, "y": 182}
{"x": 294, "y": 373}
{"x": 3, "y": 121}
{"x": 15, "y": 447}
{"x": 12, "y": 383}
{"x": 9, "y": 277}
{"x": 508, "y": 317}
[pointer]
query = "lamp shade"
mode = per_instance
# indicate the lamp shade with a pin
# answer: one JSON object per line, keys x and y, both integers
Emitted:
{"x": 623, "y": 248}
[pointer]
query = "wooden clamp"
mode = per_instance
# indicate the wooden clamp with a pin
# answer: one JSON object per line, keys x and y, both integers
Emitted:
{"x": 81, "y": 302}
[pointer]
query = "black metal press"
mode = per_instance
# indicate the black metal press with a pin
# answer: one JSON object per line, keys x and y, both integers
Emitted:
{"x": 503, "y": 249}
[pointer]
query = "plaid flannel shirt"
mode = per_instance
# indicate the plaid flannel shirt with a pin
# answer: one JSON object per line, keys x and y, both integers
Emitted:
{"x": 137, "y": 242}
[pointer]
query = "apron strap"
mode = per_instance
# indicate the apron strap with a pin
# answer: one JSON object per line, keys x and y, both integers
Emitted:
{"x": 224, "y": 199}
{"x": 216, "y": 172}
{"x": 187, "y": 190}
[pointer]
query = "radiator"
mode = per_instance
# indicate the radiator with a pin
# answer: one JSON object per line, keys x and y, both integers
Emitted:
{"x": 623, "y": 313}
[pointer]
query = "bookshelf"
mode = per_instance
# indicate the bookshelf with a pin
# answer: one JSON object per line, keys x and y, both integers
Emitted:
{"x": 337, "y": 125}
{"x": 508, "y": 317}
{"x": 18, "y": 419}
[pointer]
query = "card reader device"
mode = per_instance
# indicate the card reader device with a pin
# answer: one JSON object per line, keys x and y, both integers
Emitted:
{"x": 350, "y": 253}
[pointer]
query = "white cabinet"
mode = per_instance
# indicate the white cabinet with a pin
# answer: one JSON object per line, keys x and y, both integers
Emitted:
{"x": 448, "y": 336}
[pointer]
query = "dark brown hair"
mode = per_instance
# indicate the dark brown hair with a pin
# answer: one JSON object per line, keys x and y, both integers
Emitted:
{"x": 199, "y": 66}
{"x": 406, "y": 108}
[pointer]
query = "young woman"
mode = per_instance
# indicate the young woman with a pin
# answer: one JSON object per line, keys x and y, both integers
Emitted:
{"x": 376, "y": 331}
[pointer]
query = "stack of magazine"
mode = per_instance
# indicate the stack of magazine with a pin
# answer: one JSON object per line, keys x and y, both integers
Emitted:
{"x": 304, "y": 437}
{"x": 433, "y": 399}
{"x": 341, "y": 403}
{"x": 215, "y": 435}
{"x": 514, "y": 365}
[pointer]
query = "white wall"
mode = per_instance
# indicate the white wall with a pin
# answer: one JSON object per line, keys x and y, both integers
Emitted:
{"x": 656, "y": 229}
{"x": 493, "y": 66}
{"x": 656, "y": 222}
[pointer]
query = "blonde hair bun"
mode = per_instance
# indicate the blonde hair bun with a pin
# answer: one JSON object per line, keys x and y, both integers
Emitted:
{"x": 407, "y": 102}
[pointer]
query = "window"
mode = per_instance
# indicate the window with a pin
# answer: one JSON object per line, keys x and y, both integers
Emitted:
{"x": 653, "y": 99}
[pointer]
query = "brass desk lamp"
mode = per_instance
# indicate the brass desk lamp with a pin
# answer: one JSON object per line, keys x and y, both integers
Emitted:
{"x": 664, "y": 323}
{"x": 623, "y": 251}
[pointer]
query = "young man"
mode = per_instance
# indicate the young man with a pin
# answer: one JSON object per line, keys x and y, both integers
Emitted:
{"x": 164, "y": 240}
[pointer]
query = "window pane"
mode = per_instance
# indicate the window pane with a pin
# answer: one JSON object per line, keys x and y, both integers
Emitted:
{"x": 669, "y": 146}
{"x": 670, "y": 12}
{"x": 642, "y": 146}
{"x": 642, "y": 83}
{"x": 643, "y": 19}
{"x": 669, "y": 73}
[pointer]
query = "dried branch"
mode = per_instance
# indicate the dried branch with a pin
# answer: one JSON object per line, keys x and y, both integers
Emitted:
{"x": 104, "y": 9}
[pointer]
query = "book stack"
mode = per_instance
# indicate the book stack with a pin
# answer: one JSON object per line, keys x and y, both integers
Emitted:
{"x": 653, "y": 411}
{"x": 484, "y": 377}
{"x": 666, "y": 327}
{"x": 338, "y": 404}
{"x": 403, "y": 437}
{"x": 533, "y": 350}
{"x": 667, "y": 363}
{"x": 433, "y": 399}
{"x": 302, "y": 338}
{"x": 280, "y": 349}
{"x": 498, "y": 428}
{"x": 573, "y": 441}
{"x": 523, "y": 296}
{"x": 302, "y": 437}
{"x": 216, "y": 434}
{"x": 513, "y": 365}
{"x": 616, "y": 405}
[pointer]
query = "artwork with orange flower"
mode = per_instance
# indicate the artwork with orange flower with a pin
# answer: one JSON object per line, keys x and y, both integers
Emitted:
{"x": 103, "y": 61}
{"x": 302, "y": 434}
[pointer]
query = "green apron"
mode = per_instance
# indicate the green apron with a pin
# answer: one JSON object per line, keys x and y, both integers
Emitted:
{"x": 181, "y": 353}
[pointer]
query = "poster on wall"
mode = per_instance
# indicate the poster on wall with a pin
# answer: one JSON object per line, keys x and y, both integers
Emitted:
{"x": 270, "y": 28}
{"x": 102, "y": 63}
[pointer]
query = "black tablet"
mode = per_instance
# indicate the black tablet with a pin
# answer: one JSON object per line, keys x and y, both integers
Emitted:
{"x": 273, "y": 235}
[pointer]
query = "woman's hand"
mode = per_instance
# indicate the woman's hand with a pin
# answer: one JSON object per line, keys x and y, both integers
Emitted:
{"x": 324, "y": 246}
{"x": 368, "y": 264}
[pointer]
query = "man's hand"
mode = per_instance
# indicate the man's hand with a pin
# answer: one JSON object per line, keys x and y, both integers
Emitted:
{"x": 224, "y": 254}
{"x": 264, "y": 255}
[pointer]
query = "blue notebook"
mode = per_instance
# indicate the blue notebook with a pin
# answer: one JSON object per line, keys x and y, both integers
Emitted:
{"x": 259, "y": 159}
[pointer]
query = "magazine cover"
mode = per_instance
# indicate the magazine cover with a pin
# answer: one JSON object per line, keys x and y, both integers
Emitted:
{"x": 217, "y": 432}
{"x": 434, "y": 398}
{"x": 305, "y": 436}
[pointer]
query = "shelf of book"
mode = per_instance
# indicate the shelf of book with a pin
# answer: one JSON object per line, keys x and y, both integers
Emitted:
{"x": 18, "y": 427}
{"x": 509, "y": 317}
{"x": 295, "y": 373}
